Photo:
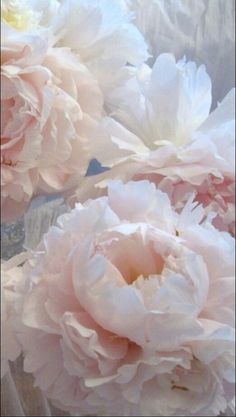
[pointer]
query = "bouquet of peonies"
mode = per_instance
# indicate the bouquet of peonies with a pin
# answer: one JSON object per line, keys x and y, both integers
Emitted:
{"x": 124, "y": 304}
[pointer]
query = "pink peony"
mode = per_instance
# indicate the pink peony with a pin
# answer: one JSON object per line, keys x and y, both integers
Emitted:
{"x": 49, "y": 105}
{"x": 99, "y": 32}
{"x": 129, "y": 308}
{"x": 168, "y": 136}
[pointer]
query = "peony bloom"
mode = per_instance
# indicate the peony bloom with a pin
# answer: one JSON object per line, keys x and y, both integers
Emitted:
{"x": 11, "y": 275}
{"x": 127, "y": 308}
{"x": 49, "y": 104}
{"x": 168, "y": 136}
{"x": 100, "y": 32}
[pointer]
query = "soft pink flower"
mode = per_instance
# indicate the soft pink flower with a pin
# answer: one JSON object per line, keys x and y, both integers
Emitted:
{"x": 168, "y": 136}
{"x": 127, "y": 308}
{"x": 49, "y": 105}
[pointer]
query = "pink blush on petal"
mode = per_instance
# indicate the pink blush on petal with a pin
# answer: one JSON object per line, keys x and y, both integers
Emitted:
{"x": 133, "y": 258}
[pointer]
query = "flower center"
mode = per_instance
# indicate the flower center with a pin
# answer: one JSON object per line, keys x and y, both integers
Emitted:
{"x": 134, "y": 258}
{"x": 19, "y": 16}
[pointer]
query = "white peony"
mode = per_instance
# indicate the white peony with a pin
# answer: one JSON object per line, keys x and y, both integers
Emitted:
{"x": 162, "y": 130}
{"x": 101, "y": 33}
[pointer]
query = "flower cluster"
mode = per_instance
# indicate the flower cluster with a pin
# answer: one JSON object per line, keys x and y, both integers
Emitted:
{"x": 126, "y": 306}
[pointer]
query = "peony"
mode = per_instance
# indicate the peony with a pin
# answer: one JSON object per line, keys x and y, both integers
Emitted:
{"x": 49, "y": 103}
{"x": 101, "y": 33}
{"x": 168, "y": 136}
{"x": 49, "y": 95}
{"x": 127, "y": 308}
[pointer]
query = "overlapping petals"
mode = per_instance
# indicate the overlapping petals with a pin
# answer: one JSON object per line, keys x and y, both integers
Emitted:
{"x": 162, "y": 131}
{"x": 101, "y": 33}
{"x": 50, "y": 103}
{"x": 126, "y": 307}
{"x": 28, "y": 15}
{"x": 118, "y": 308}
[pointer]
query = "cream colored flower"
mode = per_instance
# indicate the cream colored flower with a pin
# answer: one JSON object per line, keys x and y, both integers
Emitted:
{"x": 163, "y": 131}
{"x": 101, "y": 33}
{"x": 127, "y": 308}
